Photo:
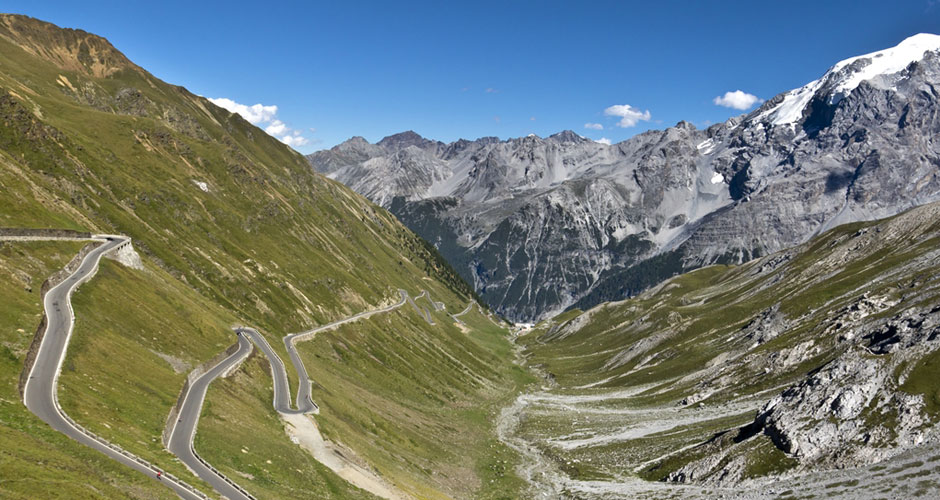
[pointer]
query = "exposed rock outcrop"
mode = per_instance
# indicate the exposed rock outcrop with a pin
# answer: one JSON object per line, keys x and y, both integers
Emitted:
{"x": 850, "y": 412}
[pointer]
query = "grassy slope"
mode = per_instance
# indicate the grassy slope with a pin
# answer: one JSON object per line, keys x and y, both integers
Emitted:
{"x": 125, "y": 314}
{"x": 34, "y": 459}
{"x": 271, "y": 244}
{"x": 242, "y": 435}
{"x": 682, "y": 331}
{"x": 415, "y": 401}
{"x": 406, "y": 398}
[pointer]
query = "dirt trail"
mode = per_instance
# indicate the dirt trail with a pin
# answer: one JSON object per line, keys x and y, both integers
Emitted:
{"x": 303, "y": 431}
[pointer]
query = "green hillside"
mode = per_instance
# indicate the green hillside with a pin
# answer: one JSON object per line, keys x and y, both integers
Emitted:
{"x": 34, "y": 458}
{"x": 90, "y": 141}
{"x": 732, "y": 373}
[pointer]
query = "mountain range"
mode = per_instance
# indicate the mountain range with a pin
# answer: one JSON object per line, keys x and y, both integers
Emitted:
{"x": 180, "y": 262}
{"x": 539, "y": 225}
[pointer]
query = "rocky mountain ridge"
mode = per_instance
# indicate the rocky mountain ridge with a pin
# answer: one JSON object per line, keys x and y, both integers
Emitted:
{"x": 538, "y": 225}
{"x": 73, "y": 50}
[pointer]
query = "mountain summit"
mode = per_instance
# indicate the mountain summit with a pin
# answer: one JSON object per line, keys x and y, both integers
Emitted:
{"x": 881, "y": 70}
{"x": 404, "y": 139}
{"x": 567, "y": 136}
{"x": 73, "y": 50}
{"x": 541, "y": 225}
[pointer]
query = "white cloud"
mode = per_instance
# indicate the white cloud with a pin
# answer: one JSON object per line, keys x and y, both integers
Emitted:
{"x": 737, "y": 100}
{"x": 276, "y": 128}
{"x": 265, "y": 116}
{"x": 603, "y": 140}
{"x": 491, "y": 90}
{"x": 255, "y": 114}
{"x": 629, "y": 116}
{"x": 594, "y": 126}
{"x": 294, "y": 140}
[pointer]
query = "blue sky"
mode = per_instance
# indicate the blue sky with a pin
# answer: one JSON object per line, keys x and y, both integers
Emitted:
{"x": 470, "y": 69}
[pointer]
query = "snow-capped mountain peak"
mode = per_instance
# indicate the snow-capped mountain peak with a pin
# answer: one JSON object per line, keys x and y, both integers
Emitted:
{"x": 886, "y": 62}
{"x": 845, "y": 76}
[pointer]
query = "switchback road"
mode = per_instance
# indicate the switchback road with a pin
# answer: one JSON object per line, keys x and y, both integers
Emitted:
{"x": 40, "y": 392}
{"x": 184, "y": 428}
{"x": 181, "y": 438}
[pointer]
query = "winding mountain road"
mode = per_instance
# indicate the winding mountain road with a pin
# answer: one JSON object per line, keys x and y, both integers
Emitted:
{"x": 180, "y": 442}
{"x": 184, "y": 428}
{"x": 40, "y": 392}
{"x": 424, "y": 313}
{"x": 304, "y": 400}
{"x": 456, "y": 317}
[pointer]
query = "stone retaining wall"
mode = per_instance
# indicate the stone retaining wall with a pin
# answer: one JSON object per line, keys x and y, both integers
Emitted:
{"x": 193, "y": 375}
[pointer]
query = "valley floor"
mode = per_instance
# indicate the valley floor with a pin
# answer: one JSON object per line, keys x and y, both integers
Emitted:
{"x": 912, "y": 474}
{"x": 810, "y": 373}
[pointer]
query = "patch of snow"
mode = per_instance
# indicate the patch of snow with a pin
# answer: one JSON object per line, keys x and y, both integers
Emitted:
{"x": 886, "y": 62}
{"x": 790, "y": 110}
{"x": 202, "y": 185}
{"x": 706, "y": 147}
{"x": 717, "y": 178}
{"x": 883, "y": 62}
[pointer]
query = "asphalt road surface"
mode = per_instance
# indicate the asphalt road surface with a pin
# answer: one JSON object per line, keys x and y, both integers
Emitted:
{"x": 424, "y": 313}
{"x": 40, "y": 395}
{"x": 184, "y": 430}
{"x": 181, "y": 437}
{"x": 304, "y": 401}
{"x": 282, "y": 404}
{"x": 461, "y": 313}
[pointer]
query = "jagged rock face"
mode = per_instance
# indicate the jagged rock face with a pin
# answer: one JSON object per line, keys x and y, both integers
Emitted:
{"x": 405, "y": 172}
{"x": 829, "y": 418}
{"x": 851, "y": 411}
{"x": 351, "y": 152}
{"x": 538, "y": 225}
{"x": 533, "y": 222}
